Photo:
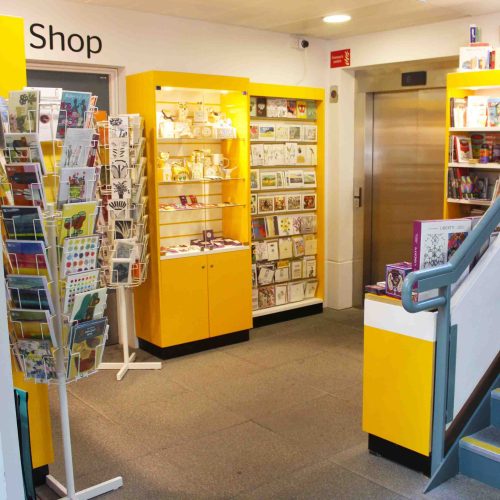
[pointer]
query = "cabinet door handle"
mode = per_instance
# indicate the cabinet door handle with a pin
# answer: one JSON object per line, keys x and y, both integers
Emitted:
{"x": 211, "y": 265}
{"x": 203, "y": 267}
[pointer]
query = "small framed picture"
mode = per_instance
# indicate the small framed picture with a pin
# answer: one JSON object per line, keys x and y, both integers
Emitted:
{"x": 293, "y": 202}
{"x": 294, "y": 178}
{"x": 309, "y": 178}
{"x": 268, "y": 180}
{"x": 208, "y": 234}
{"x": 253, "y": 204}
{"x": 267, "y": 133}
{"x": 254, "y": 179}
{"x": 309, "y": 202}
{"x": 280, "y": 203}
{"x": 265, "y": 204}
{"x": 183, "y": 199}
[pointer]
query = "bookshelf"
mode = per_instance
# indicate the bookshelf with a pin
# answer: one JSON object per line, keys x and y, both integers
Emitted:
{"x": 198, "y": 293}
{"x": 286, "y": 181}
{"x": 472, "y": 176}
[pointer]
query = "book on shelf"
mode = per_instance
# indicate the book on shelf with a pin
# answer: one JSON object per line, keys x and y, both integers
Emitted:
{"x": 474, "y": 58}
{"x": 463, "y": 148}
{"x": 493, "y": 111}
{"x": 458, "y": 107}
{"x": 477, "y": 111}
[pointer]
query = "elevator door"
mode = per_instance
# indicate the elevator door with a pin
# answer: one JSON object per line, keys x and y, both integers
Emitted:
{"x": 407, "y": 178}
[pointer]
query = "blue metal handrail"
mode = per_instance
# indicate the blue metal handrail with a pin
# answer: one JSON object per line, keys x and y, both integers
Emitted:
{"x": 441, "y": 278}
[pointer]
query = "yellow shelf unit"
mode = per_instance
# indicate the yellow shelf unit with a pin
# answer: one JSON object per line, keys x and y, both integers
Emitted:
{"x": 13, "y": 64}
{"x": 317, "y": 95}
{"x": 460, "y": 85}
{"x": 194, "y": 298}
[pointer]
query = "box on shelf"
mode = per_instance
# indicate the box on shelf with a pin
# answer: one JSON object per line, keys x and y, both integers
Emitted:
{"x": 395, "y": 274}
{"x": 474, "y": 58}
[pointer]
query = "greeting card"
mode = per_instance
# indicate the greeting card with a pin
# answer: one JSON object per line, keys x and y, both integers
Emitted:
{"x": 310, "y": 133}
{"x": 258, "y": 228}
{"x": 29, "y": 292}
{"x": 298, "y": 246}
{"x": 26, "y": 184}
{"x": 296, "y": 269}
{"x": 23, "y": 110}
{"x": 295, "y": 132}
{"x": 89, "y": 305}
{"x": 121, "y": 271}
{"x": 293, "y": 202}
{"x": 28, "y": 257}
{"x": 296, "y": 291}
{"x": 254, "y": 132}
{"x": 301, "y": 109}
{"x": 23, "y": 223}
{"x": 282, "y": 272}
{"x": 257, "y": 155}
{"x": 281, "y": 294}
{"x": 272, "y": 226}
{"x": 309, "y": 267}
{"x": 265, "y": 273}
{"x": 310, "y": 244}
{"x": 74, "y": 108}
{"x": 24, "y": 148}
{"x": 309, "y": 202}
{"x": 78, "y": 219}
{"x": 281, "y": 132}
{"x": 37, "y": 360}
{"x": 260, "y": 251}
{"x": 273, "y": 250}
{"x": 77, "y": 146}
{"x": 32, "y": 324}
{"x": 76, "y": 184}
{"x": 50, "y": 102}
{"x": 266, "y": 297}
{"x": 311, "y": 110}
{"x": 310, "y": 289}
{"x": 78, "y": 283}
{"x": 286, "y": 248}
{"x": 79, "y": 254}
{"x": 284, "y": 225}
{"x": 280, "y": 203}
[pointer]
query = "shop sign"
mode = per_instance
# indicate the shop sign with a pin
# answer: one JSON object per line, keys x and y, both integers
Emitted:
{"x": 48, "y": 37}
{"x": 340, "y": 58}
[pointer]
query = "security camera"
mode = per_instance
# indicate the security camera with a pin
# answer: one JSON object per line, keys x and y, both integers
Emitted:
{"x": 302, "y": 43}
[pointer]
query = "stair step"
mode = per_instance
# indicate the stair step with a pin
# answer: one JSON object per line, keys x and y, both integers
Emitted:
{"x": 495, "y": 407}
{"x": 480, "y": 456}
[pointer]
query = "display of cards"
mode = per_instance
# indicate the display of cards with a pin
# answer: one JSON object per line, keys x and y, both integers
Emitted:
{"x": 79, "y": 254}
{"x": 293, "y": 202}
{"x": 37, "y": 359}
{"x": 257, "y": 155}
{"x": 260, "y": 250}
{"x": 24, "y": 148}
{"x": 294, "y": 178}
{"x": 310, "y": 289}
{"x": 265, "y": 204}
{"x": 89, "y": 305}
{"x": 309, "y": 267}
{"x": 265, "y": 273}
{"x": 309, "y": 202}
{"x": 86, "y": 347}
{"x": 298, "y": 246}
{"x": 310, "y": 133}
{"x": 121, "y": 271}
{"x": 258, "y": 228}
{"x": 285, "y": 225}
{"x": 296, "y": 269}
{"x": 26, "y": 184}
{"x": 267, "y": 133}
{"x": 282, "y": 273}
{"x": 272, "y": 226}
{"x": 295, "y": 132}
{"x": 23, "y": 111}
{"x": 76, "y": 184}
{"x": 50, "y": 102}
{"x": 72, "y": 114}
{"x": 78, "y": 283}
{"x": 77, "y": 146}
{"x": 295, "y": 292}
{"x": 28, "y": 257}
{"x": 280, "y": 203}
{"x": 266, "y": 297}
{"x": 32, "y": 324}
{"x": 310, "y": 244}
{"x": 268, "y": 180}
{"x": 272, "y": 250}
{"x": 78, "y": 219}
{"x": 311, "y": 113}
{"x": 301, "y": 109}
{"x": 309, "y": 178}
{"x": 281, "y": 294}
{"x": 253, "y": 204}
{"x": 23, "y": 223}
{"x": 29, "y": 292}
{"x": 281, "y": 132}
{"x": 286, "y": 248}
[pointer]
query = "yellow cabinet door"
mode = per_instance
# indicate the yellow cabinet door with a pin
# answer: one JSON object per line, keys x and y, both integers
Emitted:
{"x": 230, "y": 292}
{"x": 184, "y": 300}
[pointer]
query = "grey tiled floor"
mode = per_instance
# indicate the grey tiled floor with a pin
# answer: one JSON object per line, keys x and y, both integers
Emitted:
{"x": 276, "y": 417}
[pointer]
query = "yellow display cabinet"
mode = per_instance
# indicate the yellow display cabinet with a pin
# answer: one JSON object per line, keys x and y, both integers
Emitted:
{"x": 459, "y": 86}
{"x": 398, "y": 375}
{"x": 198, "y": 293}
{"x": 287, "y": 200}
{"x": 13, "y": 64}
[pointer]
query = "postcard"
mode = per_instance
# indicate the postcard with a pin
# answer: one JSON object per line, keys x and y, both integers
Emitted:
{"x": 121, "y": 271}
{"x": 254, "y": 132}
{"x": 281, "y": 294}
{"x": 290, "y": 153}
{"x": 266, "y": 204}
{"x": 268, "y": 180}
{"x": 32, "y": 324}
{"x": 311, "y": 110}
{"x": 260, "y": 251}
{"x": 310, "y": 133}
{"x": 309, "y": 202}
{"x": 282, "y": 274}
{"x": 296, "y": 268}
{"x": 295, "y": 132}
{"x": 301, "y": 109}
{"x": 296, "y": 291}
{"x": 26, "y": 184}
{"x": 253, "y": 106}
{"x": 89, "y": 305}
{"x": 123, "y": 229}
{"x": 267, "y": 133}
{"x": 50, "y": 103}
{"x": 257, "y": 155}
{"x": 266, "y": 297}
{"x": 37, "y": 359}
{"x": 77, "y": 146}
{"x": 24, "y": 148}
{"x": 74, "y": 108}
{"x": 309, "y": 178}
{"x": 294, "y": 178}
{"x": 286, "y": 248}
{"x": 272, "y": 250}
{"x": 265, "y": 273}
{"x": 281, "y": 132}
{"x": 310, "y": 244}
{"x": 298, "y": 246}
{"x": 78, "y": 219}
{"x": 78, "y": 283}
{"x": 293, "y": 202}
{"x": 28, "y": 257}
{"x": 285, "y": 225}
{"x": 280, "y": 203}
{"x": 121, "y": 188}
{"x": 79, "y": 254}
{"x": 23, "y": 223}
{"x": 291, "y": 108}
{"x": 76, "y": 184}
{"x": 310, "y": 289}
{"x": 29, "y": 292}
{"x": 23, "y": 111}
{"x": 272, "y": 226}
{"x": 126, "y": 249}
{"x": 309, "y": 267}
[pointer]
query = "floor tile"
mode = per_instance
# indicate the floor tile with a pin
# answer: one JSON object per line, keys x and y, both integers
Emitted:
{"x": 319, "y": 427}
{"x": 237, "y": 459}
{"x": 322, "y": 481}
{"x": 462, "y": 488}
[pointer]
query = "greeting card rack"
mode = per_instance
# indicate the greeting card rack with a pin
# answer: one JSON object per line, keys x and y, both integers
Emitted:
{"x": 124, "y": 223}
{"x": 53, "y": 342}
{"x": 286, "y": 181}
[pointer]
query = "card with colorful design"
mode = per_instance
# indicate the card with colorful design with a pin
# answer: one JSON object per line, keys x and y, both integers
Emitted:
{"x": 74, "y": 107}
{"x": 24, "y": 148}
{"x": 23, "y": 223}
{"x": 89, "y": 305}
{"x": 29, "y": 292}
{"x": 79, "y": 254}
{"x": 32, "y": 324}
{"x": 78, "y": 219}
{"x": 26, "y": 184}
{"x": 78, "y": 283}
{"x": 37, "y": 359}
{"x": 77, "y": 146}
{"x": 28, "y": 257}
{"x": 23, "y": 110}
{"x": 76, "y": 185}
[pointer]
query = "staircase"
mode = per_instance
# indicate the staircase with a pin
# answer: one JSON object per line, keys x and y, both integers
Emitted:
{"x": 479, "y": 454}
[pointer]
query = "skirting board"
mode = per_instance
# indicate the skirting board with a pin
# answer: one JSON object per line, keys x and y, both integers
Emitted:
{"x": 288, "y": 314}
{"x": 399, "y": 454}
{"x": 192, "y": 347}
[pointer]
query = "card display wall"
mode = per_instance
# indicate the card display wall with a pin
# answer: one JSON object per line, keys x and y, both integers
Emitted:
{"x": 284, "y": 184}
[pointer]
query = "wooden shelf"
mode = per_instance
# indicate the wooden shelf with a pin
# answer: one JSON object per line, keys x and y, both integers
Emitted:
{"x": 485, "y": 203}
{"x": 286, "y": 307}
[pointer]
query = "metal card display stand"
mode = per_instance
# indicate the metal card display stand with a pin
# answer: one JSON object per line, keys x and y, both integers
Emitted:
{"x": 68, "y": 491}
{"x": 128, "y": 359}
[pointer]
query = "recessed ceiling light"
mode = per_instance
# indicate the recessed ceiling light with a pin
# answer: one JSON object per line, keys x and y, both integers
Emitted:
{"x": 337, "y": 18}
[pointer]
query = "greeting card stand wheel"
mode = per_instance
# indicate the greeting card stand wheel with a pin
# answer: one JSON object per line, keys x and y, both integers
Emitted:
{"x": 68, "y": 491}
{"x": 128, "y": 359}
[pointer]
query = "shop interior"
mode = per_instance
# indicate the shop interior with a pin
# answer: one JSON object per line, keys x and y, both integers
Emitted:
{"x": 248, "y": 257}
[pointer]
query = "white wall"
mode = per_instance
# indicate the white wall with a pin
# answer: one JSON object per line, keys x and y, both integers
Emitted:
{"x": 432, "y": 41}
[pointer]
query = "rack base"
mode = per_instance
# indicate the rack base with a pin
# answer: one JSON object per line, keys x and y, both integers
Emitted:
{"x": 124, "y": 366}
{"x": 92, "y": 492}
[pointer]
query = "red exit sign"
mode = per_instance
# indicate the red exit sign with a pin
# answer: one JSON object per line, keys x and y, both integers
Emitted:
{"x": 340, "y": 58}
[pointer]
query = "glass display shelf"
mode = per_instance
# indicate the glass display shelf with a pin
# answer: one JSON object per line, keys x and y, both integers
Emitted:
{"x": 188, "y": 208}
{"x": 202, "y": 181}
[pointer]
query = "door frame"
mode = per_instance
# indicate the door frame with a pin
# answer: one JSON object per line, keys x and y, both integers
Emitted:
{"x": 369, "y": 81}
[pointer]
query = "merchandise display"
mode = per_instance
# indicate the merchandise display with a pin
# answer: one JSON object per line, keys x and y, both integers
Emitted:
{"x": 285, "y": 198}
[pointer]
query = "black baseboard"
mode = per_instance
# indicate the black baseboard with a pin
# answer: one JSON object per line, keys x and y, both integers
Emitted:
{"x": 299, "y": 312}
{"x": 39, "y": 475}
{"x": 191, "y": 347}
{"x": 399, "y": 454}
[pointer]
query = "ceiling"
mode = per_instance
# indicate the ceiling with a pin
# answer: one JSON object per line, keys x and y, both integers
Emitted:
{"x": 304, "y": 17}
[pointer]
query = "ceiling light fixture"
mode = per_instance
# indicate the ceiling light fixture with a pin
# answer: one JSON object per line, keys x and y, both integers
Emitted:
{"x": 337, "y": 18}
